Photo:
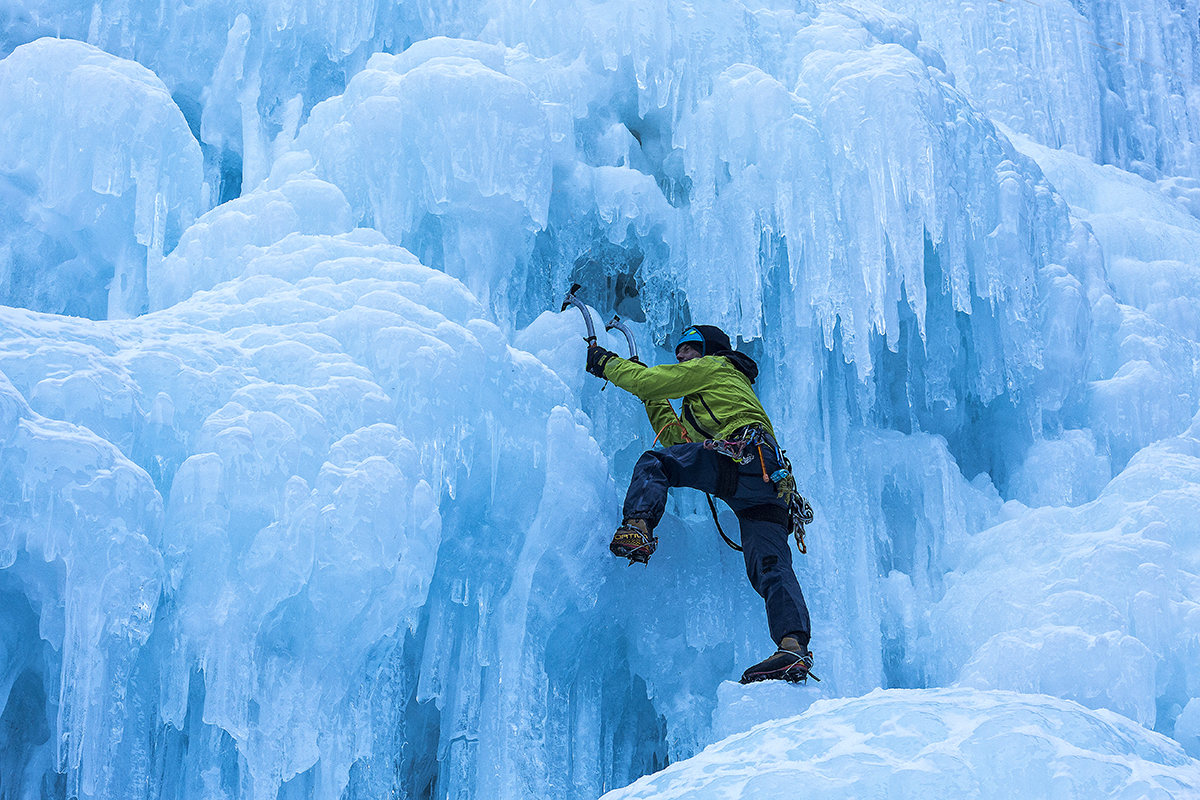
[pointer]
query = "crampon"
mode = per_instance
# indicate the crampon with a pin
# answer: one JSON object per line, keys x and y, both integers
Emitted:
{"x": 633, "y": 541}
{"x": 784, "y": 665}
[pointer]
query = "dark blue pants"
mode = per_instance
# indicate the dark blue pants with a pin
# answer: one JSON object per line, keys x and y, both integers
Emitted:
{"x": 765, "y": 545}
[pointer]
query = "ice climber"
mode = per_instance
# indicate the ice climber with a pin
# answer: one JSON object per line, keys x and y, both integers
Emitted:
{"x": 725, "y": 446}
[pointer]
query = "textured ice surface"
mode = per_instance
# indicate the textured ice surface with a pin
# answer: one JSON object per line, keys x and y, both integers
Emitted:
{"x": 468, "y": 149}
{"x": 1111, "y": 585}
{"x": 99, "y": 174}
{"x": 211, "y": 250}
{"x": 78, "y": 548}
{"x": 740, "y": 707}
{"x": 303, "y": 526}
{"x": 934, "y": 743}
{"x": 1124, "y": 89}
{"x": 1143, "y": 373}
{"x": 330, "y": 520}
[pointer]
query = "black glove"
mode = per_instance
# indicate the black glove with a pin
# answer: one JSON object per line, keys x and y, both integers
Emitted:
{"x": 597, "y": 357}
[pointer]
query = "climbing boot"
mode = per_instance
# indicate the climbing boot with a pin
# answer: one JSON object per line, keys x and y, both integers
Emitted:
{"x": 791, "y": 663}
{"x": 634, "y": 541}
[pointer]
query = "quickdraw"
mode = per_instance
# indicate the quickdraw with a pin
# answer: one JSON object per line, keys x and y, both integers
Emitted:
{"x": 800, "y": 513}
{"x": 742, "y": 450}
{"x": 734, "y": 448}
{"x": 742, "y": 446}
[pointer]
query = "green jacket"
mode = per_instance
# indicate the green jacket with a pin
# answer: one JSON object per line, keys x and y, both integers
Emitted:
{"x": 717, "y": 396}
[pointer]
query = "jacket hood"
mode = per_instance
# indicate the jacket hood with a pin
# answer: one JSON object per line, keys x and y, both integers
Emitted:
{"x": 744, "y": 363}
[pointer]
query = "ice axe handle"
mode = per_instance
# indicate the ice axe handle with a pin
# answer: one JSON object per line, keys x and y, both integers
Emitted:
{"x": 615, "y": 322}
{"x": 572, "y": 300}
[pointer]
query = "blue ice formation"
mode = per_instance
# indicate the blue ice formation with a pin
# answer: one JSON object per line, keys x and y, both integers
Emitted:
{"x": 934, "y": 742}
{"x": 305, "y": 492}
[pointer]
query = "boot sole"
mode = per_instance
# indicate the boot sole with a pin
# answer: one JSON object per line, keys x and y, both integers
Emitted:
{"x": 634, "y": 552}
{"x": 788, "y": 677}
{"x": 793, "y": 674}
{"x": 641, "y": 553}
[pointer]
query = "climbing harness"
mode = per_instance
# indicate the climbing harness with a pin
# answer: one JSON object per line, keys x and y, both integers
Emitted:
{"x": 742, "y": 447}
{"x": 734, "y": 448}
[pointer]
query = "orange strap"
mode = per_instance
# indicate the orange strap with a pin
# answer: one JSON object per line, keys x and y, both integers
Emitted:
{"x": 682, "y": 429}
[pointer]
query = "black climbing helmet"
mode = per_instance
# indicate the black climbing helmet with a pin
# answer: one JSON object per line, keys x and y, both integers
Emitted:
{"x": 708, "y": 339}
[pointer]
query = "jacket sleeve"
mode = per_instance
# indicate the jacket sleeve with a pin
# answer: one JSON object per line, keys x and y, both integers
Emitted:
{"x": 662, "y": 419}
{"x": 664, "y": 381}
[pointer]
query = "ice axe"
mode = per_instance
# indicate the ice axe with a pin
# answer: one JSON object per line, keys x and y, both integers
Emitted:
{"x": 572, "y": 300}
{"x": 615, "y": 322}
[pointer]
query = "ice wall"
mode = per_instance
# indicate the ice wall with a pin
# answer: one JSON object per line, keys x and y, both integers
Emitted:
{"x": 354, "y": 487}
{"x": 958, "y": 275}
{"x": 100, "y": 176}
{"x": 1144, "y": 338}
{"x": 82, "y": 582}
{"x": 306, "y": 422}
{"x": 357, "y": 556}
{"x": 1125, "y": 75}
{"x": 469, "y": 151}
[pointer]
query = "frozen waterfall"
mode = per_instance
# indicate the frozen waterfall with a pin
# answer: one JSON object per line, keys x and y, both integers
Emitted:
{"x": 305, "y": 492}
